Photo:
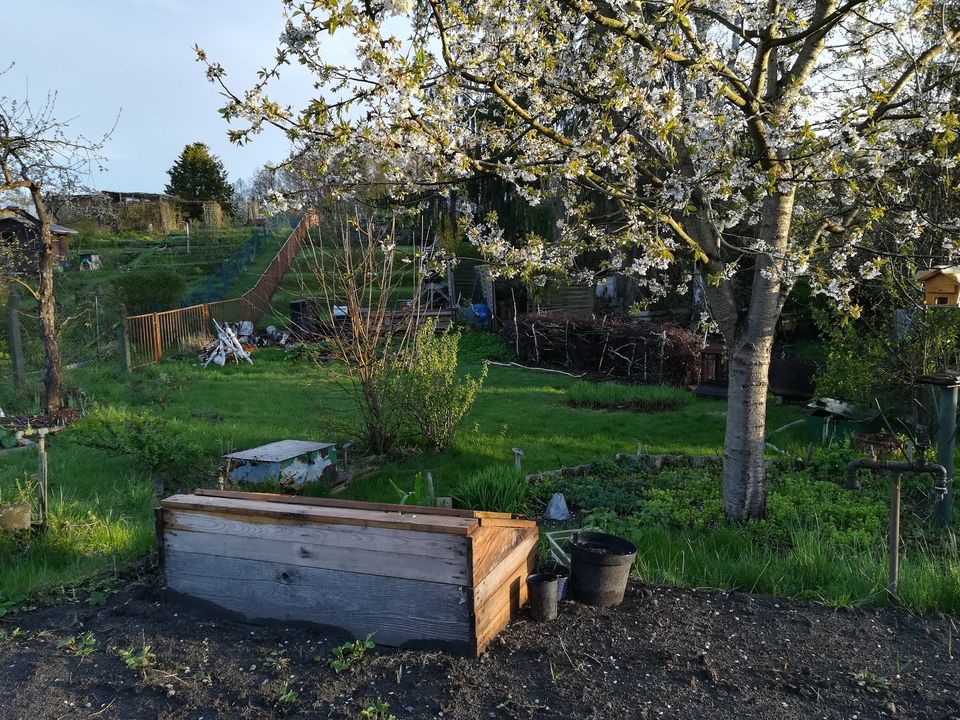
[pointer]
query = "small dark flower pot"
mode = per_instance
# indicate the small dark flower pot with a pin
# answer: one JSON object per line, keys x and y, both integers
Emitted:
{"x": 543, "y": 591}
{"x": 599, "y": 567}
{"x": 563, "y": 577}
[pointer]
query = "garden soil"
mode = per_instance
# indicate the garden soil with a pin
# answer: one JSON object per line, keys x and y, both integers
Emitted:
{"x": 664, "y": 653}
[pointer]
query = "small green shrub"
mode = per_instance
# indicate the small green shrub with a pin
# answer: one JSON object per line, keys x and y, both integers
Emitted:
{"x": 477, "y": 345}
{"x": 496, "y": 488}
{"x": 346, "y": 656}
{"x": 377, "y": 710}
{"x": 150, "y": 441}
{"x": 318, "y": 352}
{"x": 616, "y": 396}
{"x": 141, "y": 659}
{"x": 81, "y": 646}
{"x": 421, "y": 495}
{"x": 432, "y": 396}
{"x": 142, "y": 291}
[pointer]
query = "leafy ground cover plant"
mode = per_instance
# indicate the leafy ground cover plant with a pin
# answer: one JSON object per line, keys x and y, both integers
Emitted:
{"x": 377, "y": 710}
{"x": 81, "y": 646}
{"x": 142, "y": 658}
{"x": 819, "y": 540}
{"x": 151, "y": 441}
{"x": 617, "y": 396}
{"x": 497, "y": 488}
{"x": 346, "y": 656}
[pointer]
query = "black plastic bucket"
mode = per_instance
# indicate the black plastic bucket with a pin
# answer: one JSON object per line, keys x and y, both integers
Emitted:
{"x": 543, "y": 591}
{"x": 599, "y": 567}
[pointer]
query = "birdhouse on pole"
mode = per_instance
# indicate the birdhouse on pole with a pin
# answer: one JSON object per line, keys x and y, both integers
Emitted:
{"x": 941, "y": 285}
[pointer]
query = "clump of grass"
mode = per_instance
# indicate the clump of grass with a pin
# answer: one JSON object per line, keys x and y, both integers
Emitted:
{"x": 617, "y": 396}
{"x": 496, "y": 488}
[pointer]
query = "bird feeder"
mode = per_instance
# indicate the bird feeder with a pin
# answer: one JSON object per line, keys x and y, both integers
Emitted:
{"x": 941, "y": 285}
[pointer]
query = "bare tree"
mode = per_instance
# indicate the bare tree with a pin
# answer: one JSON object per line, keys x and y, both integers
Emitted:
{"x": 359, "y": 275}
{"x": 38, "y": 156}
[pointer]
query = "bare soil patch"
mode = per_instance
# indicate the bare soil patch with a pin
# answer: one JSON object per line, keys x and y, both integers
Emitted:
{"x": 664, "y": 653}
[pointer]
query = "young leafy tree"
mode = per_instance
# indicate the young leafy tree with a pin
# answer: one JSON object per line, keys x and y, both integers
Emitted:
{"x": 198, "y": 176}
{"x": 759, "y": 139}
{"x": 37, "y": 155}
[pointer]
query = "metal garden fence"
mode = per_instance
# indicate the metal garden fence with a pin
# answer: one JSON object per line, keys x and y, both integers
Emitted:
{"x": 149, "y": 336}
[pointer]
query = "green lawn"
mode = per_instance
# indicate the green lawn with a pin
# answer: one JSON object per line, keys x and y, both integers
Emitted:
{"x": 102, "y": 507}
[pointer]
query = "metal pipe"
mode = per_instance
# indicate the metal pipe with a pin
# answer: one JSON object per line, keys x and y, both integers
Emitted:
{"x": 896, "y": 468}
{"x": 939, "y": 472}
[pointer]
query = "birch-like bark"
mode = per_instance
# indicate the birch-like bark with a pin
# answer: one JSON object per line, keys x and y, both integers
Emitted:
{"x": 749, "y": 345}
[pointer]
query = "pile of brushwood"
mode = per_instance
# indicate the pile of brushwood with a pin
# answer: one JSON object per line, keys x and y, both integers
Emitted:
{"x": 622, "y": 348}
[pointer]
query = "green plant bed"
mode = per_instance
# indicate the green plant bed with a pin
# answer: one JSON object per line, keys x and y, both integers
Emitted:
{"x": 818, "y": 542}
{"x": 636, "y": 398}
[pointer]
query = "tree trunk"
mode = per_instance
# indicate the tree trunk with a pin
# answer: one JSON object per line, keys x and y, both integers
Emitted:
{"x": 744, "y": 465}
{"x": 749, "y": 346}
{"x": 53, "y": 380}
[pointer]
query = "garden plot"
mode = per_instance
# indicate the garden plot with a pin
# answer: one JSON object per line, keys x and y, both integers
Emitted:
{"x": 681, "y": 654}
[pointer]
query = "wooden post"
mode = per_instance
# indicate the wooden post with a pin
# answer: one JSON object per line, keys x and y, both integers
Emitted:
{"x": 42, "y": 473}
{"x": 158, "y": 347}
{"x": 123, "y": 346}
{"x": 158, "y": 533}
{"x": 206, "y": 319}
{"x": 15, "y": 341}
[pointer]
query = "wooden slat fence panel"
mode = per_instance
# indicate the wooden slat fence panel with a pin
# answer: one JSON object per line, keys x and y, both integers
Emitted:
{"x": 152, "y": 334}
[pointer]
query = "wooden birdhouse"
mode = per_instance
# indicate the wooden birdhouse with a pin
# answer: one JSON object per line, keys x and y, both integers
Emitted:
{"x": 941, "y": 285}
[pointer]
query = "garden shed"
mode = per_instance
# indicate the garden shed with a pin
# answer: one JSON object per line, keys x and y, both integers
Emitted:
{"x": 941, "y": 285}
{"x": 412, "y": 576}
{"x": 18, "y": 227}
{"x": 505, "y": 298}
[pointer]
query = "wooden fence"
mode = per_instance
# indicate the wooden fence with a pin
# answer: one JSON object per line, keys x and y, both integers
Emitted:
{"x": 149, "y": 336}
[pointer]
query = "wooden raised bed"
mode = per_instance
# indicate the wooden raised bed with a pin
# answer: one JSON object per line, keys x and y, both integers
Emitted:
{"x": 414, "y": 576}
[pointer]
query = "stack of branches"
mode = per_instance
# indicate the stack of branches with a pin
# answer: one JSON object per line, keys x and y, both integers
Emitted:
{"x": 226, "y": 347}
{"x": 622, "y": 348}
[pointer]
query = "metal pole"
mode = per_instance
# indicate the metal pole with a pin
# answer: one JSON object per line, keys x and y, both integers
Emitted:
{"x": 946, "y": 435}
{"x": 893, "y": 540}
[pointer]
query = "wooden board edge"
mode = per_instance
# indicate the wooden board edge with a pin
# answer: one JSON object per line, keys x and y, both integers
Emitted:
{"x": 520, "y": 555}
{"x": 269, "y": 514}
{"x": 485, "y": 629}
{"x": 337, "y": 503}
{"x": 508, "y": 522}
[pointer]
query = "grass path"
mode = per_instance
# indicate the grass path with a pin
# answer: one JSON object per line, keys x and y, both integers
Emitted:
{"x": 102, "y": 507}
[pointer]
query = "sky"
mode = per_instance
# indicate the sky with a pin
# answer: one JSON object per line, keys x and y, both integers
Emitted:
{"x": 135, "y": 58}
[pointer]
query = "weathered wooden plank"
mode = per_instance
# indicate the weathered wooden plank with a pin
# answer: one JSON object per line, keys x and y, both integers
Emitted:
{"x": 324, "y": 515}
{"x": 490, "y": 545}
{"x": 399, "y": 611}
{"x": 526, "y": 548}
{"x": 503, "y": 604}
{"x": 407, "y": 542}
{"x": 397, "y": 565}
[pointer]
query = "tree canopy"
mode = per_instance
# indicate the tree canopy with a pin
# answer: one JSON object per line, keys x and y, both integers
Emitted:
{"x": 760, "y": 141}
{"x": 198, "y": 176}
